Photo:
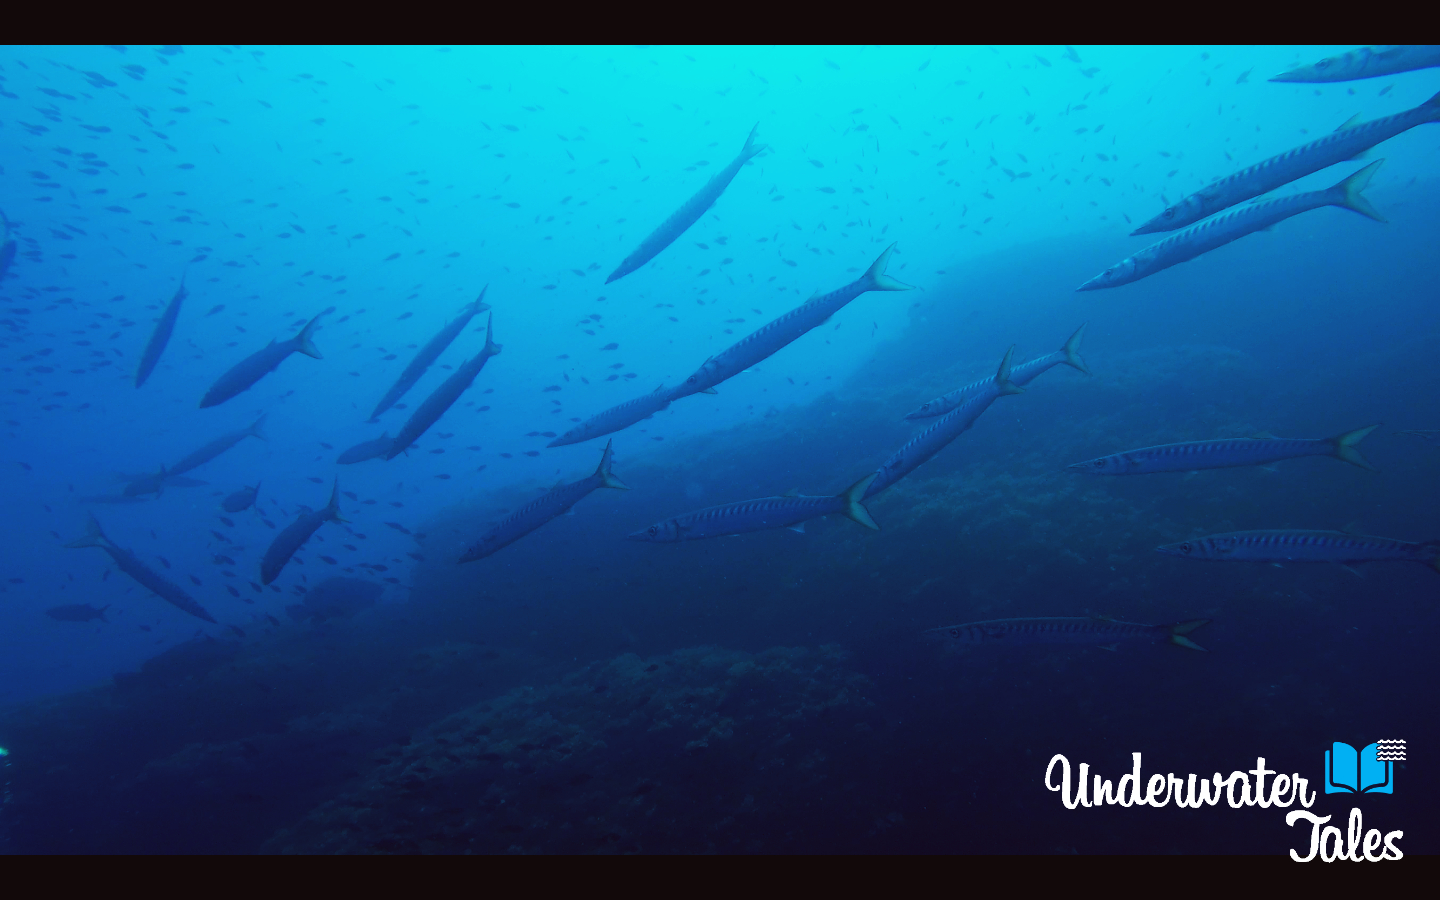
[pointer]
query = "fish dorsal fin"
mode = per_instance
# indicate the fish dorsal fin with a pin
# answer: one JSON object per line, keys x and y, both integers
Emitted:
{"x": 1351, "y": 528}
{"x": 1098, "y": 617}
{"x": 1263, "y": 436}
{"x": 793, "y": 492}
{"x": 800, "y": 528}
{"x": 1350, "y": 122}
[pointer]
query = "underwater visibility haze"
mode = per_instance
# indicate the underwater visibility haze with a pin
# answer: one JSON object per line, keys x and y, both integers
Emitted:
{"x": 453, "y": 292}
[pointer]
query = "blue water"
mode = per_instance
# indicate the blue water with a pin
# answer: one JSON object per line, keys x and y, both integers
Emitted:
{"x": 769, "y": 692}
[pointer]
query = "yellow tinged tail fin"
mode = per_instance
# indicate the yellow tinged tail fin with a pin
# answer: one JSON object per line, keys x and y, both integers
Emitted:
{"x": 854, "y": 509}
{"x": 1180, "y": 629}
{"x": 607, "y": 477}
{"x": 1345, "y": 447}
{"x": 1348, "y": 192}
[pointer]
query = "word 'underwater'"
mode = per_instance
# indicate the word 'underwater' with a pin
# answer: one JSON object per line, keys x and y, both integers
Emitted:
{"x": 1191, "y": 793}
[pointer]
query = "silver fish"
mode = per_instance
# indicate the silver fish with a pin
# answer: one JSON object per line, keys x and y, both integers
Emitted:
{"x": 1233, "y": 225}
{"x": 429, "y": 353}
{"x": 131, "y": 565}
{"x": 219, "y": 446}
{"x": 243, "y": 375}
{"x": 790, "y": 511}
{"x": 1021, "y": 375}
{"x": 1366, "y": 62}
{"x": 242, "y": 499}
{"x": 164, "y": 327}
{"x": 1072, "y": 630}
{"x": 616, "y": 418}
{"x": 1226, "y": 454}
{"x": 943, "y": 430}
{"x": 296, "y": 534}
{"x": 778, "y": 333}
{"x": 371, "y": 449}
{"x": 1347, "y": 142}
{"x": 689, "y": 213}
{"x": 1304, "y": 546}
{"x": 537, "y": 512}
{"x": 435, "y": 405}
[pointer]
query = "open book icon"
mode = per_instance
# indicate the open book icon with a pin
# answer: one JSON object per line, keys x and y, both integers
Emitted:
{"x": 1347, "y": 771}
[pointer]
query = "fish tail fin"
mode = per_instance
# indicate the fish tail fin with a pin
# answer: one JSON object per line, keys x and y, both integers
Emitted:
{"x": 1347, "y": 192}
{"x": 1345, "y": 447}
{"x": 94, "y": 536}
{"x": 1073, "y": 359}
{"x": 1178, "y": 631}
{"x": 854, "y": 510}
{"x": 1434, "y": 104}
{"x": 491, "y": 348}
{"x": 332, "y": 509}
{"x": 607, "y": 477}
{"x": 257, "y": 493}
{"x": 875, "y": 276}
{"x": 1002, "y": 375}
{"x": 479, "y": 305}
{"x": 102, "y": 614}
{"x": 258, "y": 429}
{"x": 752, "y": 149}
{"x": 303, "y": 341}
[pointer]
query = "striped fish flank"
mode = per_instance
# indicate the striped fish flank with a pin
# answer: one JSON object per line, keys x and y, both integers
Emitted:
{"x": 1282, "y": 546}
{"x": 1226, "y": 454}
{"x": 1067, "y": 630}
{"x": 616, "y": 418}
{"x": 760, "y": 515}
{"x": 429, "y": 353}
{"x": 1233, "y": 225}
{"x": 1345, "y": 143}
{"x": 1021, "y": 375}
{"x": 1366, "y": 62}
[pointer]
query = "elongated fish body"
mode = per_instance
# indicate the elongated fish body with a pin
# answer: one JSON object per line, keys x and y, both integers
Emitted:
{"x": 374, "y": 448}
{"x": 1020, "y": 375}
{"x": 1067, "y": 630}
{"x": 242, "y": 499}
{"x": 541, "y": 510}
{"x": 77, "y": 612}
{"x": 296, "y": 534}
{"x": 146, "y": 484}
{"x": 160, "y": 336}
{"x": 8, "y": 247}
{"x": 943, "y": 430}
{"x": 429, "y": 353}
{"x": 435, "y": 405}
{"x": 1226, "y": 454}
{"x": 1304, "y": 546}
{"x": 1367, "y": 62}
{"x": 243, "y": 375}
{"x": 1233, "y": 225}
{"x": 780, "y": 332}
{"x": 219, "y": 446}
{"x": 689, "y": 213}
{"x": 760, "y": 515}
{"x": 616, "y": 418}
{"x": 131, "y": 565}
{"x": 1266, "y": 176}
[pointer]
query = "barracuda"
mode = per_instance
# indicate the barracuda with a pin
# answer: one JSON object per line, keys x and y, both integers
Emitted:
{"x": 1021, "y": 375}
{"x": 218, "y": 446}
{"x": 131, "y": 565}
{"x": 444, "y": 396}
{"x": 243, "y": 375}
{"x": 1366, "y": 62}
{"x": 1263, "y": 177}
{"x": 1226, "y": 454}
{"x": 1231, "y": 226}
{"x": 429, "y": 353}
{"x": 616, "y": 418}
{"x": 160, "y": 337}
{"x": 1071, "y": 630}
{"x": 296, "y": 534}
{"x": 1304, "y": 546}
{"x": 759, "y": 515}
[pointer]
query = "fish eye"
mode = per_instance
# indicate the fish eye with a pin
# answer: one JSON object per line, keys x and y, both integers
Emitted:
{"x": 1186, "y": 547}
{"x": 1170, "y": 213}
{"x": 954, "y": 632}
{"x": 1099, "y": 463}
{"x": 1323, "y": 64}
{"x": 652, "y": 530}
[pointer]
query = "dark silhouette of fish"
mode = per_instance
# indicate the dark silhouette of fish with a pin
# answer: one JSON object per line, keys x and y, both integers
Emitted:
{"x": 160, "y": 336}
{"x": 131, "y": 565}
{"x": 243, "y": 375}
{"x": 296, "y": 534}
{"x": 77, "y": 612}
{"x": 429, "y": 353}
{"x": 371, "y": 449}
{"x": 435, "y": 405}
{"x": 242, "y": 499}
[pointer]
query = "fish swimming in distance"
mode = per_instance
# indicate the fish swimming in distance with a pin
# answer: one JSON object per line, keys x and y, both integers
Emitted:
{"x": 429, "y": 353}
{"x": 1233, "y": 225}
{"x": 1071, "y": 630}
{"x": 77, "y": 612}
{"x": 164, "y": 327}
{"x": 8, "y": 247}
{"x": 371, "y": 449}
{"x": 218, "y": 446}
{"x": 616, "y": 418}
{"x": 296, "y": 534}
{"x": 790, "y": 511}
{"x": 1366, "y": 62}
{"x": 146, "y": 484}
{"x": 244, "y": 374}
{"x": 537, "y": 512}
{"x": 688, "y": 213}
{"x": 1345, "y": 143}
{"x": 1284, "y": 546}
{"x": 131, "y": 565}
{"x": 778, "y": 333}
{"x": 938, "y": 434}
{"x": 440, "y": 400}
{"x": 242, "y": 499}
{"x": 1224, "y": 454}
{"x": 1020, "y": 375}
